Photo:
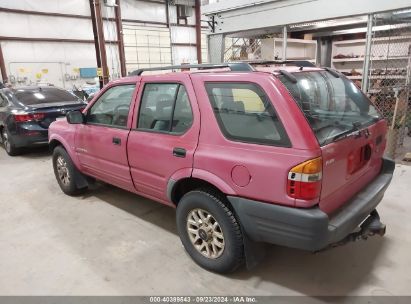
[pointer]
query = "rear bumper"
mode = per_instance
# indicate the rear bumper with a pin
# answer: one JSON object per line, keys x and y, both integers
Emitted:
{"x": 310, "y": 229}
{"x": 21, "y": 141}
{"x": 28, "y": 134}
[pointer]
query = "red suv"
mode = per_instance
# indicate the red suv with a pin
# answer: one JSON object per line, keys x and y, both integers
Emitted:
{"x": 246, "y": 154}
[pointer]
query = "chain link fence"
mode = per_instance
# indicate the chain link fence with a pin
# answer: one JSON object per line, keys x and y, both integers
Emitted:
{"x": 389, "y": 74}
{"x": 389, "y": 77}
{"x": 237, "y": 49}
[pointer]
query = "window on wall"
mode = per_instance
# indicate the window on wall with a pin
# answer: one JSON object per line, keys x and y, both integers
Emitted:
{"x": 244, "y": 113}
{"x": 146, "y": 46}
{"x": 166, "y": 108}
{"x": 182, "y": 13}
{"x": 112, "y": 108}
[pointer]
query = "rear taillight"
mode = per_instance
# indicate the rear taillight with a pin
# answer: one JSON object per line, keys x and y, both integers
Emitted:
{"x": 304, "y": 180}
{"x": 28, "y": 117}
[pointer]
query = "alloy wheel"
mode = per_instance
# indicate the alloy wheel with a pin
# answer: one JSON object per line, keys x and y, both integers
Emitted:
{"x": 205, "y": 233}
{"x": 62, "y": 170}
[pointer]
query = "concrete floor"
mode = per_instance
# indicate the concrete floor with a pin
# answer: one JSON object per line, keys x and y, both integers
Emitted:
{"x": 111, "y": 242}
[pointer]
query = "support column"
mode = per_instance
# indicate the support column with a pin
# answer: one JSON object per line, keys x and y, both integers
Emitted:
{"x": 198, "y": 30}
{"x": 284, "y": 42}
{"x": 3, "y": 67}
{"x": 96, "y": 44}
{"x": 95, "y": 8}
{"x": 170, "y": 28}
{"x": 367, "y": 57}
{"x": 216, "y": 47}
{"x": 167, "y": 14}
{"x": 120, "y": 39}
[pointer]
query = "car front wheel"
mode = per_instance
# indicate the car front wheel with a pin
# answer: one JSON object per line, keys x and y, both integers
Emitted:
{"x": 209, "y": 231}
{"x": 65, "y": 172}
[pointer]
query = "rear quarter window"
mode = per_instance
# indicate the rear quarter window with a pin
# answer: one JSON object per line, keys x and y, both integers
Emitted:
{"x": 245, "y": 113}
{"x": 44, "y": 95}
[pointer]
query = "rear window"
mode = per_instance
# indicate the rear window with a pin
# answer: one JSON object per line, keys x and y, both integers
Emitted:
{"x": 44, "y": 95}
{"x": 244, "y": 113}
{"x": 332, "y": 105}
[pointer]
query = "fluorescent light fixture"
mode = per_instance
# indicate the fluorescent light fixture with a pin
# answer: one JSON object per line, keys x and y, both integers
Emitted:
{"x": 402, "y": 12}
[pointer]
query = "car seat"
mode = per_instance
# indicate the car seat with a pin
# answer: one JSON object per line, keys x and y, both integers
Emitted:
{"x": 162, "y": 115}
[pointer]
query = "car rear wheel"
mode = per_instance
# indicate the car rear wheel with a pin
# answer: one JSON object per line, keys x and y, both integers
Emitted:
{"x": 65, "y": 172}
{"x": 8, "y": 143}
{"x": 209, "y": 231}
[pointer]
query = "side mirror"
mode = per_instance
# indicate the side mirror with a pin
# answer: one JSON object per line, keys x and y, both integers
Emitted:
{"x": 75, "y": 117}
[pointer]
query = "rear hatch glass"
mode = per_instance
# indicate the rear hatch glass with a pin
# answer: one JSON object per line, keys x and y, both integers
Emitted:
{"x": 333, "y": 106}
{"x": 50, "y": 102}
{"x": 30, "y": 97}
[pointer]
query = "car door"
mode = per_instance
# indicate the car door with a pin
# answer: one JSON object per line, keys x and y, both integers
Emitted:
{"x": 165, "y": 135}
{"x": 101, "y": 142}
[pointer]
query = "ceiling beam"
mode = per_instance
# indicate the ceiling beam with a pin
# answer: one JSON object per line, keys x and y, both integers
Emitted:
{"x": 51, "y": 14}
{"x": 270, "y": 14}
{"x": 43, "y": 39}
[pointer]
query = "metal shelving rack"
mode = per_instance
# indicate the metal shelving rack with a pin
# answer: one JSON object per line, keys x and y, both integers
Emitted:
{"x": 297, "y": 49}
{"x": 356, "y": 47}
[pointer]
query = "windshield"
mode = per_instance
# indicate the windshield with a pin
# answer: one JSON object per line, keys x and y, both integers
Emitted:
{"x": 44, "y": 95}
{"x": 332, "y": 105}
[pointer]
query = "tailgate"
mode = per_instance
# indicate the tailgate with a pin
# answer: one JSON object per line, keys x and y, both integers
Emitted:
{"x": 350, "y": 164}
{"x": 349, "y": 130}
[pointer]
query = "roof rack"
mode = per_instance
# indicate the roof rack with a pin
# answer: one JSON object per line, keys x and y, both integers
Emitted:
{"x": 289, "y": 76}
{"x": 233, "y": 66}
{"x": 299, "y": 63}
{"x": 333, "y": 72}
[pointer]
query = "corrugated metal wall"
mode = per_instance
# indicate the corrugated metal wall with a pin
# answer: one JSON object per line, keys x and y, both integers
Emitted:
{"x": 148, "y": 40}
{"x": 25, "y": 59}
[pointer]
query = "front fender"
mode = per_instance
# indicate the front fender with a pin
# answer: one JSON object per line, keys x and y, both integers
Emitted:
{"x": 69, "y": 148}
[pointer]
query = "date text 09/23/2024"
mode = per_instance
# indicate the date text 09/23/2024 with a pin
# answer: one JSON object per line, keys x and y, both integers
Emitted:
{"x": 203, "y": 299}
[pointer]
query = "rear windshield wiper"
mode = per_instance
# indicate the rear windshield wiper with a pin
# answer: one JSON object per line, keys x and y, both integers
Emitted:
{"x": 355, "y": 127}
{"x": 335, "y": 73}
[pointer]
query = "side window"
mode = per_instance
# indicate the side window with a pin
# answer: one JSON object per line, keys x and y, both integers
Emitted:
{"x": 165, "y": 107}
{"x": 112, "y": 108}
{"x": 244, "y": 113}
{"x": 183, "y": 116}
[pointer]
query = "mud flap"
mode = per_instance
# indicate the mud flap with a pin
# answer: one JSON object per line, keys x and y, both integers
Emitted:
{"x": 80, "y": 180}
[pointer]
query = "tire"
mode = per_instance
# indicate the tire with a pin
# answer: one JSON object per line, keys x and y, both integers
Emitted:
{"x": 8, "y": 144}
{"x": 219, "y": 231}
{"x": 65, "y": 172}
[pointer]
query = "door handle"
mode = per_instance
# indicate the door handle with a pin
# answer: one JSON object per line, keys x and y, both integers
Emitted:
{"x": 116, "y": 141}
{"x": 179, "y": 152}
